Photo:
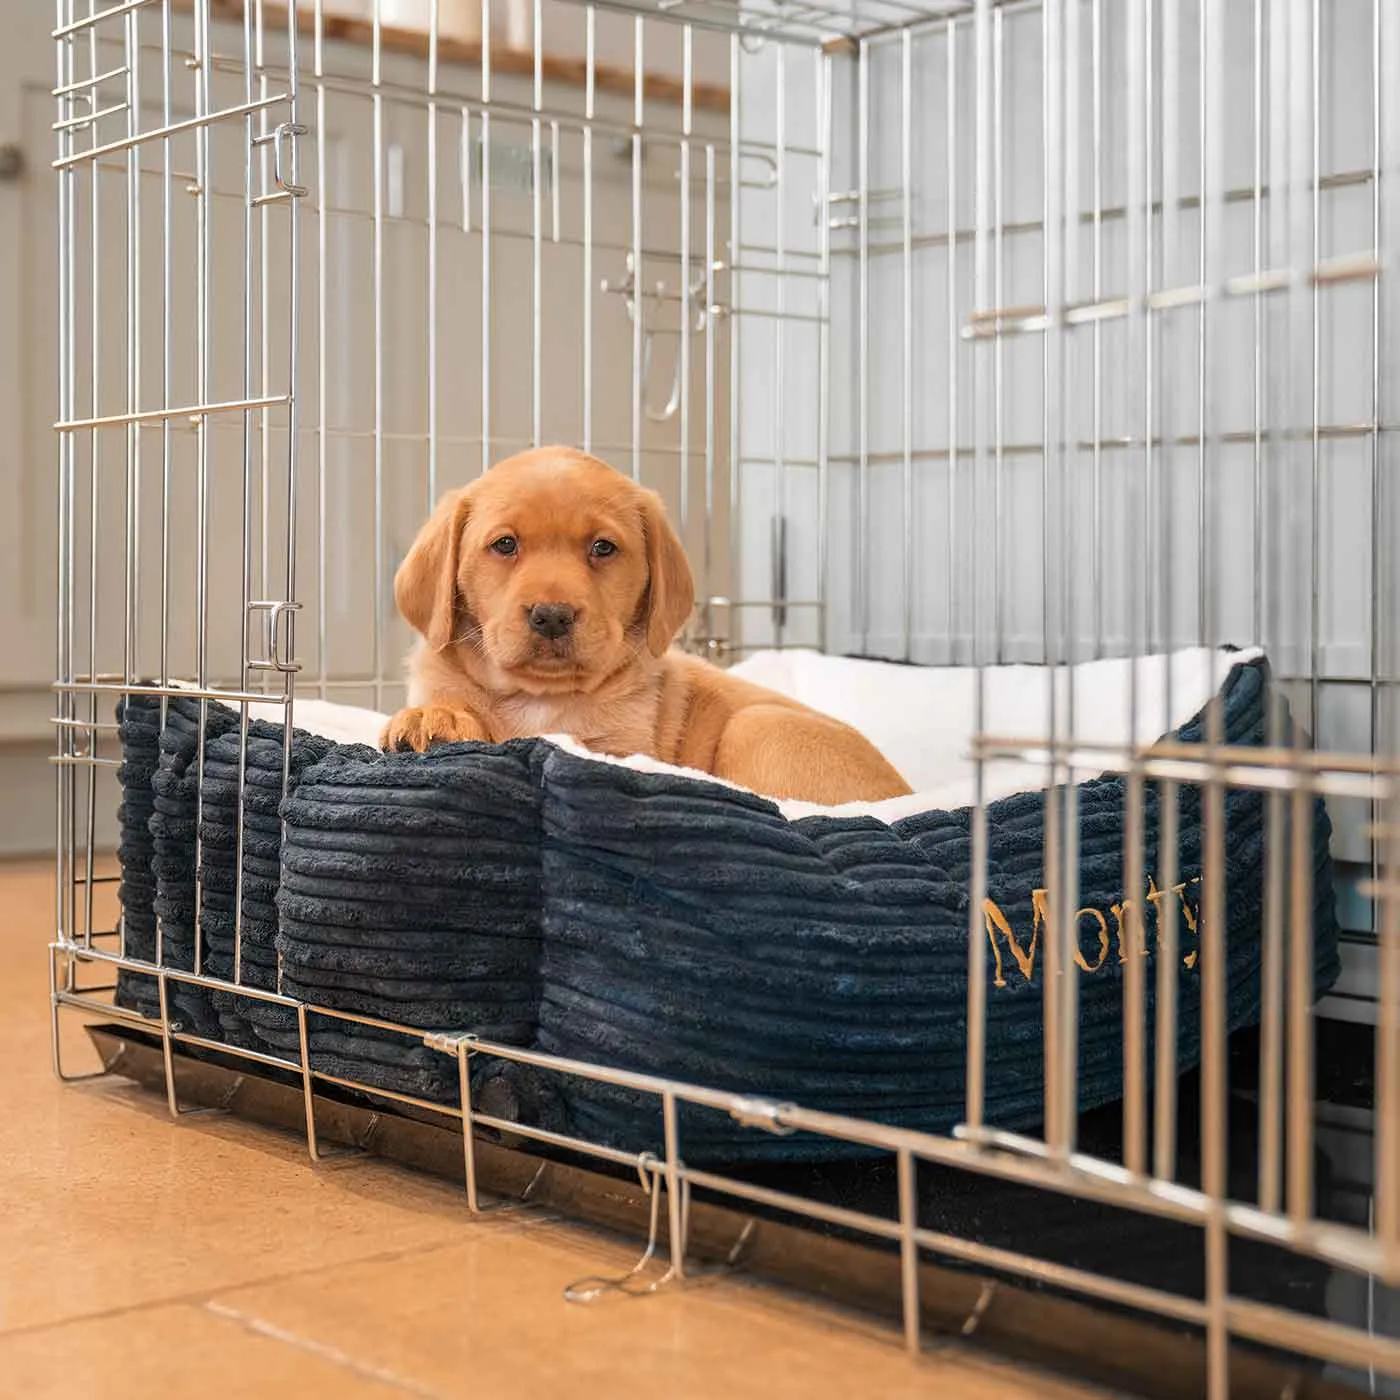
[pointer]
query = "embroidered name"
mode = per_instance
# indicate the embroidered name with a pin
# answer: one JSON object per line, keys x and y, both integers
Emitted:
{"x": 1128, "y": 929}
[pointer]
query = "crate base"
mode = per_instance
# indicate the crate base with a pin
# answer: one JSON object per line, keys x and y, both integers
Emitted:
{"x": 1091, "y": 1343}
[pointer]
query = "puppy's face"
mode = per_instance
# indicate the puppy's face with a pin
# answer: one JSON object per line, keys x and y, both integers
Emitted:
{"x": 547, "y": 575}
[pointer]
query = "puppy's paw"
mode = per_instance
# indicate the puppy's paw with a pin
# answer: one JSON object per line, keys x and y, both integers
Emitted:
{"x": 417, "y": 730}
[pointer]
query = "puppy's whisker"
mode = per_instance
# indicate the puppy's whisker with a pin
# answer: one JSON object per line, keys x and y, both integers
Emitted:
{"x": 471, "y": 637}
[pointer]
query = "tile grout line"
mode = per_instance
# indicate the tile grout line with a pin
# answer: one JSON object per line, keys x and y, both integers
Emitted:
{"x": 262, "y": 1328}
{"x": 201, "y": 1297}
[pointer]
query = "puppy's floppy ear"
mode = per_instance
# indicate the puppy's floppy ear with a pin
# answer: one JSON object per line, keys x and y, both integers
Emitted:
{"x": 425, "y": 586}
{"x": 670, "y": 591}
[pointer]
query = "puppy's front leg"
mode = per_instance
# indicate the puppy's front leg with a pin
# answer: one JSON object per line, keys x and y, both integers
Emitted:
{"x": 418, "y": 728}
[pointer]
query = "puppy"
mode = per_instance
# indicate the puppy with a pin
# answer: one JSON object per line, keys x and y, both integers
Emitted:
{"x": 546, "y": 595}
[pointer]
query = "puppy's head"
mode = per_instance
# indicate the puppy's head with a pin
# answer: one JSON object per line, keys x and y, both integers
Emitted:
{"x": 548, "y": 574}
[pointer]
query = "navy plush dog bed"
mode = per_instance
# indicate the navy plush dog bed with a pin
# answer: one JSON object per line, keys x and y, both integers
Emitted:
{"x": 659, "y": 921}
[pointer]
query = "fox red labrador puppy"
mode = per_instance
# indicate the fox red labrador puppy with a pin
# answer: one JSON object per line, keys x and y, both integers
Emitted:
{"x": 547, "y": 595}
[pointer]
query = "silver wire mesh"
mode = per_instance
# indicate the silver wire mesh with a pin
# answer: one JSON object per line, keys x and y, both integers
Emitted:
{"x": 962, "y": 334}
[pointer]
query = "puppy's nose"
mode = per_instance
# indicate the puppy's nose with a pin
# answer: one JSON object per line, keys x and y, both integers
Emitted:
{"x": 552, "y": 620}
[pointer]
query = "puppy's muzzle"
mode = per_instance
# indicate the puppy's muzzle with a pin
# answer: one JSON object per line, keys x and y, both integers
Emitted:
{"x": 552, "y": 621}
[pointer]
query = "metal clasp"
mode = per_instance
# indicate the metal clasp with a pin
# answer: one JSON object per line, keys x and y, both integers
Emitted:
{"x": 282, "y": 138}
{"x": 762, "y": 1113}
{"x": 276, "y": 638}
{"x": 637, "y": 300}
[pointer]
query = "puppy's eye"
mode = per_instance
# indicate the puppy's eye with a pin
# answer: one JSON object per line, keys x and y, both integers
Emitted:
{"x": 602, "y": 548}
{"x": 505, "y": 546}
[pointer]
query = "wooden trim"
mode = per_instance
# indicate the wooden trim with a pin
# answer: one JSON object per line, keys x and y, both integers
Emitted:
{"x": 657, "y": 87}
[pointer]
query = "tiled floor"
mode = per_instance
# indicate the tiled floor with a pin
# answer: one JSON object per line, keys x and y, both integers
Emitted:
{"x": 143, "y": 1258}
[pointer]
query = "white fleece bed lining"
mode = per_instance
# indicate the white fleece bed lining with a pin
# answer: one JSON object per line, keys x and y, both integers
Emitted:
{"x": 922, "y": 718}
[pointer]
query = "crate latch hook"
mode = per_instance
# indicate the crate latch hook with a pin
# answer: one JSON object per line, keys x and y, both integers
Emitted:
{"x": 276, "y": 637}
{"x": 637, "y": 300}
{"x": 282, "y": 139}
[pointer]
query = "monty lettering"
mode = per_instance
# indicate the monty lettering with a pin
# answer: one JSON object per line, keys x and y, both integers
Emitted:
{"x": 1099, "y": 934}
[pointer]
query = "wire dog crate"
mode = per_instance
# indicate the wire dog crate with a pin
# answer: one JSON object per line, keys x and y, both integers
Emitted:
{"x": 954, "y": 333}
